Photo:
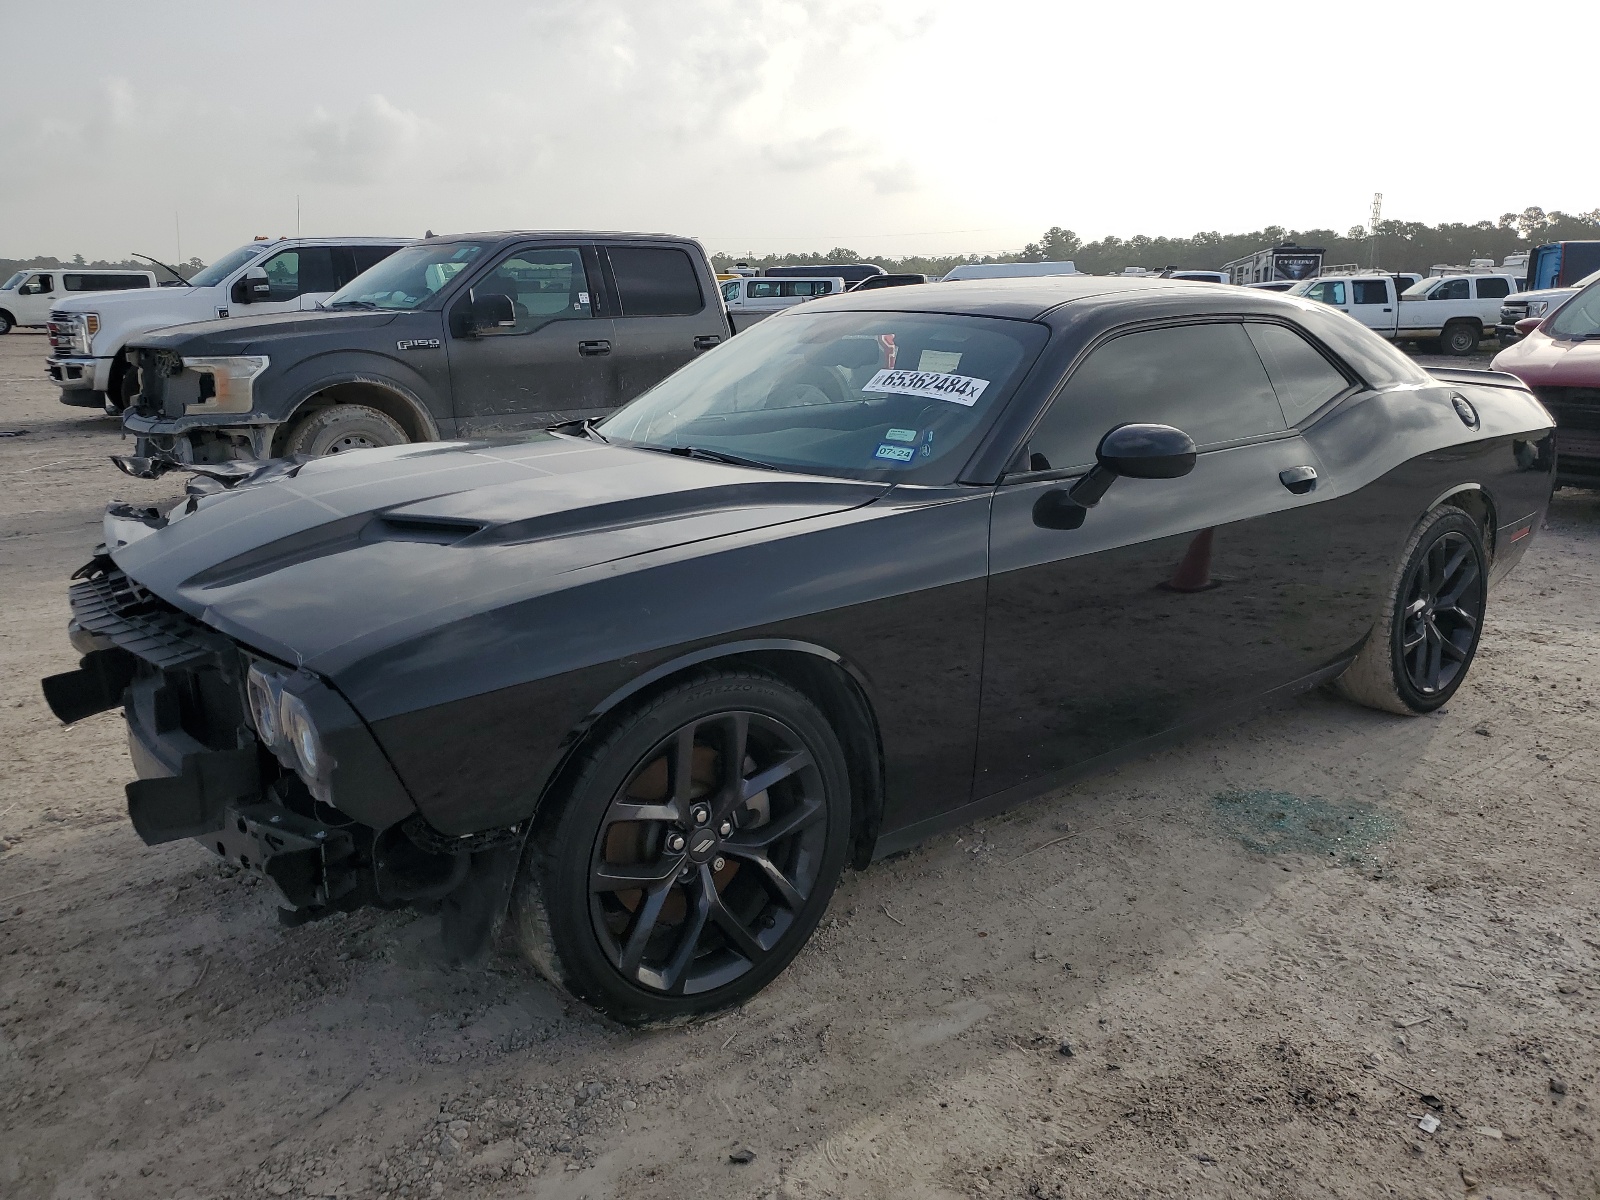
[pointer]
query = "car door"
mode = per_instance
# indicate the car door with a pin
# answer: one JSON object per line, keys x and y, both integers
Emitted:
{"x": 554, "y": 362}
{"x": 1176, "y": 596}
{"x": 1372, "y": 303}
{"x": 36, "y": 295}
{"x": 295, "y": 277}
{"x": 663, "y": 315}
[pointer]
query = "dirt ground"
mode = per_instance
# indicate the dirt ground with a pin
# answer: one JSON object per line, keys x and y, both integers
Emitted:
{"x": 1249, "y": 966}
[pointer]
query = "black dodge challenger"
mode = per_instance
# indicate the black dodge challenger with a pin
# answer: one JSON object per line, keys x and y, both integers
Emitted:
{"x": 634, "y": 691}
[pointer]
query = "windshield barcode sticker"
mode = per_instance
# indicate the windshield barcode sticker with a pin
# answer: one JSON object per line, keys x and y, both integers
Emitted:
{"x": 958, "y": 389}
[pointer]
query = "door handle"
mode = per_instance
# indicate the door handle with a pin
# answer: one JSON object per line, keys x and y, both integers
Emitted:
{"x": 1299, "y": 480}
{"x": 705, "y": 341}
{"x": 1388, "y": 310}
{"x": 594, "y": 348}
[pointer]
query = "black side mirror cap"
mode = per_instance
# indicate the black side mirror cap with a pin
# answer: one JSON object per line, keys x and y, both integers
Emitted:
{"x": 1147, "y": 452}
{"x": 251, "y": 287}
{"x": 492, "y": 310}
{"x": 1137, "y": 451}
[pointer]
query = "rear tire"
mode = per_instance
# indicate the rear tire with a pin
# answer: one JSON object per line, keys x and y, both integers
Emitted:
{"x": 657, "y": 886}
{"x": 342, "y": 427}
{"x": 1427, "y": 632}
{"x": 1461, "y": 338}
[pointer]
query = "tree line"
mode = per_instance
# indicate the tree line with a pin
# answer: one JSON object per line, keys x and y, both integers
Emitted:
{"x": 9, "y": 266}
{"x": 1399, "y": 246}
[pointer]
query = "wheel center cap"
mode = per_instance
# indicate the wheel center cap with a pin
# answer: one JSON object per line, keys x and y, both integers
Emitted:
{"x": 702, "y": 843}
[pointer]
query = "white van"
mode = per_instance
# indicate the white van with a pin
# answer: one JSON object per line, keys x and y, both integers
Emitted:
{"x": 266, "y": 276}
{"x": 1010, "y": 270}
{"x": 751, "y": 300}
{"x": 27, "y": 297}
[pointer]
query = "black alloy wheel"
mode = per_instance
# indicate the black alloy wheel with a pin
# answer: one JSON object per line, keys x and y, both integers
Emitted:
{"x": 1442, "y": 615}
{"x": 1426, "y": 634}
{"x": 696, "y": 853}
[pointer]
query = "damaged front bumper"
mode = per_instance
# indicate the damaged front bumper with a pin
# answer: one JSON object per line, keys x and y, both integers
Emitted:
{"x": 204, "y": 774}
{"x": 162, "y": 444}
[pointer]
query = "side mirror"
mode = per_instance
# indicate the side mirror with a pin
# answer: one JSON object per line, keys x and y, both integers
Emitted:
{"x": 1528, "y": 324}
{"x": 1147, "y": 452}
{"x": 492, "y": 310}
{"x": 251, "y": 287}
{"x": 1137, "y": 451}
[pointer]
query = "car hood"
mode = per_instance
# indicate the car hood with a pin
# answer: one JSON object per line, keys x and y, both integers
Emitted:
{"x": 1540, "y": 360}
{"x": 327, "y": 562}
{"x": 1565, "y": 293}
{"x": 246, "y": 335}
{"x": 134, "y": 300}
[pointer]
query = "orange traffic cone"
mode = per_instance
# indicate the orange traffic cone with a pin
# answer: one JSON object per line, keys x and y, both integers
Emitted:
{"x": 1194, "y": 572}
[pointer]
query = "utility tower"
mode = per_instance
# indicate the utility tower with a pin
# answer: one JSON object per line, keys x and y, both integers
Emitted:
{"x": 1377, "y": 215}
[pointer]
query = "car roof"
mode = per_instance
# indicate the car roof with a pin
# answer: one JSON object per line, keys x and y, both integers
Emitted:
{"x": 1037, "y": 297}
{"x": 588, "y": 235}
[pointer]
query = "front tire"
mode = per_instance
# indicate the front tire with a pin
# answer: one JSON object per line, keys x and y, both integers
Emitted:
{"x": 692, "y": 852}
{"x": 1461, "y": 338}
{"x": 1427, "y": 632}
{"x": 342, "y": 427}
{"x": 6, "y": 322}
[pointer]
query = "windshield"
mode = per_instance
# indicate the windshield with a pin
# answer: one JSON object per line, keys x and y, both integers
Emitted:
{"x": 12, "y": 282}
{"x": 866, "y": 395}
{"x": 408, "y": 277}
{"x": 1578, "y": 317}
{"x": 225, "y": 266}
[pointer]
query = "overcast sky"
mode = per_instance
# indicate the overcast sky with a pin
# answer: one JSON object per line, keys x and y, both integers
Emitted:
{"x": 893, "y": 127}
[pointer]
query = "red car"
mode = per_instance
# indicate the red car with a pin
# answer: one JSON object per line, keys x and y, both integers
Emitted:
{"x": 1559, "y": 358}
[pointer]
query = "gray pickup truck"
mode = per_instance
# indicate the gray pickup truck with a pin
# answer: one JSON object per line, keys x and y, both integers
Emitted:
{"x": 455, "y": 336}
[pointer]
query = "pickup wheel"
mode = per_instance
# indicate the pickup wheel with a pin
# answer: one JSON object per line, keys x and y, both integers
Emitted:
{"x": 1461, "y": 338}
{"x": 342, "y": 427}
{"x": 5, "y": 322}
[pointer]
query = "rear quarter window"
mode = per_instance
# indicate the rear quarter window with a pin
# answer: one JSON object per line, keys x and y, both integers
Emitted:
{"x": 656, "y": 281}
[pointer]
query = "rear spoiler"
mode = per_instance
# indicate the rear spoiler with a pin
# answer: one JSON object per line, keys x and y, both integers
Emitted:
{"x": 1483, "y": 378}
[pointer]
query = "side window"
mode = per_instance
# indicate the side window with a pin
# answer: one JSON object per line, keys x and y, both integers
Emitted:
{"x": 1205, "y": 379}
{"x": 544, "y": 284}
{"x": 765, "y": 289}
{"x": 1452, "y": 289}
{"x": 74, "y": 282}
{"x": 38, "y": 285}
{"x": 1370, "y": 291}
{"x": 730, "y": 291}
{"x": 656, "y": 281}
{"x": 283, "y": 273}
{"x": 370, "y": 256}
{"x": 1303, "y": 379}
{"x": 1493, "y": 289}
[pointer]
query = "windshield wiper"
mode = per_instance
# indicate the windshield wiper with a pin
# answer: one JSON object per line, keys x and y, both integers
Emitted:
{"x": 732, "y": 460}
{"x": 351, "y": 304}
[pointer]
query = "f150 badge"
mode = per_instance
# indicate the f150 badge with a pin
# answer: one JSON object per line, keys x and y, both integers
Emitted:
{"x": 418, "y": 344}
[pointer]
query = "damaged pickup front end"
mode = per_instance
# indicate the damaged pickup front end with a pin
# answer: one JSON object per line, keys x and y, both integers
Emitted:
{"x": 264, "y": 764}
{"x": 186, "y": 411}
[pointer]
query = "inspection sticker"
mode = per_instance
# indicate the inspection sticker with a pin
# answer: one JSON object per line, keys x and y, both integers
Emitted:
{"x": 895, "y": 453}
{"x": 958, "y": 389}
{"x": 901, "y": 435}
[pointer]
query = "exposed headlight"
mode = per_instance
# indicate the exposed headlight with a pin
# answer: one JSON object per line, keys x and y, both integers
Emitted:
{"x": 231, "y": 382}
{"x": 284, "y": 725}
{"x": 81, "y": 330}
{"x": 1537, "y": 308}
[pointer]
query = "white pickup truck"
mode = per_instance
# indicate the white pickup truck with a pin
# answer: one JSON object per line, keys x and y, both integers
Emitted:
{"x": 286, "y": 275}
{"x": 1457, "y": 310}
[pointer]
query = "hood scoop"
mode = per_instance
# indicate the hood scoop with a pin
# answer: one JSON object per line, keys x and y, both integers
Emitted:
{"x": 635, "y": 511}
{"x": 448, "y": 521}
